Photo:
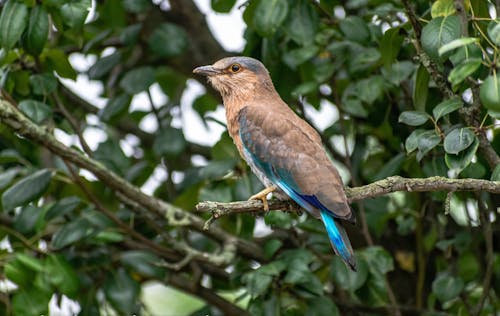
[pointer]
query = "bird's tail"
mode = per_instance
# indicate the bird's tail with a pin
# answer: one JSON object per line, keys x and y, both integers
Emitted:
{"x": 339, "y": 240}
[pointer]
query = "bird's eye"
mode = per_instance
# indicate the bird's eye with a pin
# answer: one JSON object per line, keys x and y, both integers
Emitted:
{"x": 235, "y": 67}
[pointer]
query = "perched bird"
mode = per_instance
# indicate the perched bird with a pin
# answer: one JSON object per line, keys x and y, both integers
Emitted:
{"x": 283, "y": 151}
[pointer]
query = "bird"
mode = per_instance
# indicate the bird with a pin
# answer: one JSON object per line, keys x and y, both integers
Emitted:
{"x": 282, "y": 149}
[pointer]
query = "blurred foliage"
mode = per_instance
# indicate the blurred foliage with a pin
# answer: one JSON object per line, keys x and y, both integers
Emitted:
{"x": 420, "y": 254}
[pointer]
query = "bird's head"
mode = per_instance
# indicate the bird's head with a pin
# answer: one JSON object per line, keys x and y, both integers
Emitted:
{"x": 237, "y": 76}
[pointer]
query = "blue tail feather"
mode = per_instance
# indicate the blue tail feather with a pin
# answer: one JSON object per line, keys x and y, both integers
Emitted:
{"x": 339, "y": 240}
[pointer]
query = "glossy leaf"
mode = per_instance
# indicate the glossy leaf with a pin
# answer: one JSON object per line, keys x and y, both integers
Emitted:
{"x": 122, "y": 292}
{"x": 37, "y": 111}
{"x": 168, "y": 40}
{"x": 458, "y": 140}
{"x": 62, "y": 207}
{"x": 143, "y": 262}
{"x": 74, "y": 12}
{"x": 62, "y": 275}
{"x": 454, "y": 44}
{"x": 31, "y": 301}
{"x": 222, "y": 6}
{"x": 446, "y": 107}
{"x": 459, "y": 162}
{"x": 438, "y": 32}
{"x": 71, "y": 233}
{"x": 38, "y": 30}
{"x": 138, "y": 80}
{"x": 413, "y": 118}
{"x": 43, "y": 84}
{"x": 27, "y": 189}
{"x": 169, "y": 142}
{"x": 104, "y": 65}
{"x": 269, "y": 16}
{"x": 421, "y": 88}
{"x": 442, "y": 8}
{"x": 13, "y": 21}
{"x": 463, "y": 70}
{"x": 447, "y": 287}
{"x": 494, "y": 32}
{"x": 302, "y": 24}
{"x": 426, "y": 142}
{"x": 355, "y": 29}
{"x": 490, "y": 93}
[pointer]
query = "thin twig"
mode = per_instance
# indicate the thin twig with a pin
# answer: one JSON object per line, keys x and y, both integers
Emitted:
{"x": 488, "y": 238}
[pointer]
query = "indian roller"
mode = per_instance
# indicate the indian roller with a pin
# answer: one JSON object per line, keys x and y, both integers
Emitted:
{"x": 283, "y": 150}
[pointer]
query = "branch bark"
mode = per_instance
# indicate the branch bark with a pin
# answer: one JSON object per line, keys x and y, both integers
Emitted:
{"x": 378, "y": 188}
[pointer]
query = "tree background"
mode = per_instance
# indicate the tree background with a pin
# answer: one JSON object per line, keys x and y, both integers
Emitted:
{"x": 417, "y": 95}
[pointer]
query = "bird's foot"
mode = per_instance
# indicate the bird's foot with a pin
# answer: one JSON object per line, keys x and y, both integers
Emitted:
{"x": 262, "y": 195}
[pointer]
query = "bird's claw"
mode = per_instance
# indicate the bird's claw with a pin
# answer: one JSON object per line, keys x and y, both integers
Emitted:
{"x": 262, "y": 195}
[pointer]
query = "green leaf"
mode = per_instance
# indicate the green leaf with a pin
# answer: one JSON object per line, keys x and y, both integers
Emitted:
{"x": 168, "y": 40}
{"x": 495, "y": 175}
{"x": 27, "y": 219}
{"x": 143, "y": 262}
{"x": 459, "y": 42}
{"x": 489, "y": 93}
{"x": 421, "y": 88}
{"x": 379, "y": 260}
{"x": 222, "y": 6}
{"x": 136, "y": 6}
{"x": 458, "y": 140}
{"x": 13, "y": 21}
{"x": 205, "y": 103}
{"x": 75, "y": 12}
{"x": 438, "y": 32}
{"x": 115, "y": 107}
{"x": 447, "y": 287}
{"x": 413, "y": 118}
{"x": 26, "y": 190}
{"x": 62, "y": 207}
{"x": 411, "y": 142}
{"x": 391, "y": 168}
{"x": 122, "y": 292}
{"x": 442, "y": 8}
{"x": 457, "y": 163}
{"x": 7, "y": 176}
{"x": 57, "y": 60}
{"x": 38, "y": 30}
{"x": 321, "y": 306}
{"x": 43, "y": 84}
{"x": 30, "y": 262}
{"x": 138, "y": 80}
{"x": 345, "y": 277}
{"x": 494, "y": 31}
{"x": 446, "y": 107}
{"x": 71, "y": 233}
{"x": 269, "y": 15}
{"x": 463, "y": 70}
{"x": 31, "y": 301}
{"x": 390, "y": 45}
{"x": 104, "y": 65}
{"x": 169, "y": 142}
{"x": 370, "y": 89}
{"x": 37, "y": 111}
{"x": 398, "y": 72}
{"x": 427, "y": 141}
{"x": 302, "y": 24}
{"x": 171, "y": 82}
{"x": 62, "y": 275}
{"x": 298, "y": 56}
{"x": 19, "y": 273}
{"x": 355, "y": 29}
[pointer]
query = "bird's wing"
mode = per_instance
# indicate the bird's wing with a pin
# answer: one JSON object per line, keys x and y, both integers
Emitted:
{"x": 283, "y": 148}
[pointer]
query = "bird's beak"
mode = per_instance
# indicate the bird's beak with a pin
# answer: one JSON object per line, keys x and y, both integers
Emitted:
{"x": 206, "y": 70}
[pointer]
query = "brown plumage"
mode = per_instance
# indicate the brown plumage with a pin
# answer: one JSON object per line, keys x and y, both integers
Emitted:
{"x": 281, "y": 148}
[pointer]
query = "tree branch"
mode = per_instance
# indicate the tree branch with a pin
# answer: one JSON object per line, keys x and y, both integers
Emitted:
{"x": 375, "y": 189}
{"x": 15, "y": 120}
